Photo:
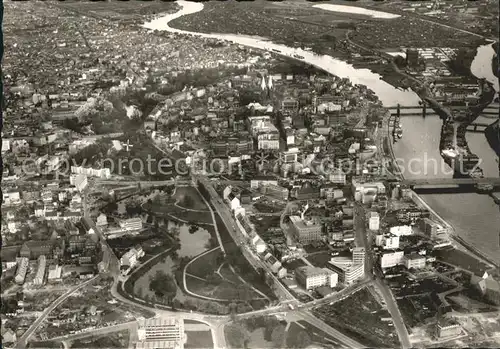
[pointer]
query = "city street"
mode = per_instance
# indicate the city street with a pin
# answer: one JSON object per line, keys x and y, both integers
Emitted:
{"x": 363, "y": 240}
{"x": 23, "y": 340}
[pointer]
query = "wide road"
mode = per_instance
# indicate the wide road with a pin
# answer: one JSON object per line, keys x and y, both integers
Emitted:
{"x": 393, "y": 309}
{"x": 240, "y": 240}
{"x": 313, "y": 320}
{"x": 23, "y": 340}
{"x": 363, "y": 241}
{"x": 97, "y": 332}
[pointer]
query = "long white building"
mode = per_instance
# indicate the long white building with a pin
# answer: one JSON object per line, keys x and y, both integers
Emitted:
{"x": 161, "y": 333}
{"x": 40, "y": 272}
{"x": 22, "y": 268}
{"x": 391, "y": 259}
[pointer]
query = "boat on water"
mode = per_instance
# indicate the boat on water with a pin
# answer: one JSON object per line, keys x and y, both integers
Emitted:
{"x": 484, "y": 188}
{"x": 276, "y": 50}
{"x": 299, "y": 56}
{"x": 399, "y": 133}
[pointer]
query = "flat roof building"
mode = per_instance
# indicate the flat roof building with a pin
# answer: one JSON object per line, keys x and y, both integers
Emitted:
{"x": 40, "y": 272}
{"x": 306, "y": 230}
{"x": 161, "y": 333}
{"x": 313, "y": 277}
{"x": 347, "y": 271}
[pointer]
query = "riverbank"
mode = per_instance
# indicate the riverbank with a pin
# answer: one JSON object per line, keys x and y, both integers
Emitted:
{"x": 453, "y": 136}
{"x": 461, "y": 243}
{"x": 422, "y": 142}
{"x": 492, "y": 134}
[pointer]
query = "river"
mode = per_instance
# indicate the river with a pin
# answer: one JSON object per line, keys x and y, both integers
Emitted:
{"x": 475, "y": 217}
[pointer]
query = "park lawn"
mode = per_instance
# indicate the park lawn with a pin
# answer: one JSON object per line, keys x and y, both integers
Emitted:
{"x": 111, "y": 340}
{"x": 302, "y": 334}
{"x": 224, "y": 291}
{"x": 462, "y": 260}
{"x": 235, "y": 335}
{"x": 199, "y": 340}
{"x": 319, "y": 259}
{"x": 256, "y": 340}
{"x": 177, "y": 213}
{"x": 195, "y": 201}
{"x": 360, "y": 316}
{"x": 206, "y": 264}
{"x": 45, "y": 344}
{"x": 263, "y": 223}
{"x": 258, "y": 332}
{"x": 416, "y": 310}
{"x": 228, "y": 274}
{"x": 317, "y": 335}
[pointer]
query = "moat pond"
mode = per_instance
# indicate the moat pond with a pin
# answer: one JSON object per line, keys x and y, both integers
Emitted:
{"x": 191, "y": 246}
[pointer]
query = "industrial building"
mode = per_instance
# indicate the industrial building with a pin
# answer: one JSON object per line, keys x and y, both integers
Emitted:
{"x": 40, "y": 272}
{"x": 374, "y": 221}
{"x": 161, "y": 333}
{"x": 312, "y": 277}
{"x": 131, "y": 224}
{"x": 391, "y": 259}
{"x": 414, "y": 261}
{"x": 22, "y": 268}
{"x": 347, "y": 271}
{"x": 306, "y": 230}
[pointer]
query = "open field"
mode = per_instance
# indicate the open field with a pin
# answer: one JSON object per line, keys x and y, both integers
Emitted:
{"x": 462, "y": 260}
{"x": 263, "y": 223}
{"x": 319, "y": 259}
{"x": 189, "y": 198}
{"x": 403, "y": 287}
{"x": 177, "y": 213}
{"x": 111, "y": 340}
{"x": 258, "y": 333}
{"x": 199, "y": 340}
{"x": 416, "y": 310}
{"x": 220, "y": 289}
{"x": 361, "y": 317}
{"x": 125, "y": 11}
{"x": 207, "y": 264}
{"x": 294, "y": 264}
{"x": 308, "y": 334}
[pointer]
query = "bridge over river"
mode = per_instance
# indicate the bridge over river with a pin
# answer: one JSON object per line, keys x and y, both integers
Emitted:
{"x": 437, "y": 182}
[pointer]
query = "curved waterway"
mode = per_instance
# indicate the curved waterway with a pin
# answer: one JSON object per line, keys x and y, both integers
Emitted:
{"x": 475, "y": 217}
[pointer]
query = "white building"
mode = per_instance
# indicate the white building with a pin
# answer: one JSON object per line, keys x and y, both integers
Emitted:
{"x": 227, "y": 190}
{"x": 259, "y": 244}
{"x": 414, "y": 261}
{"x": 263, "y": 181}
{"x": 347, "y": 271}
{"x": 40, "y": 272}
{"x": 358, "y": 256}
{"x": 233, "y": 201}
{"x": 401, "y": 230}
{"x": 102, "y": 220}
{"x": 387, "y": 242}
{"x": 374, "y": 221}
{"x": 79, "y": 181}
{"x": 264, "y": 131}
{"x": 313, "y": 277}
{"x": 11, "y": 197}
{"x": 103, "y": 173}
{"x": 131, "y": 224}
{"x": 162, "y": 331}
{"x": 131, "y": 258}
{"x": 5, "y": 145}
{"x": 391, "y": 259}
{"x": 364, "y": 190}
{"x": 22, "y": 268}
{"x": 55, "y": 272}
{"x": 79, "y": 144}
